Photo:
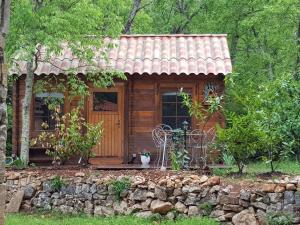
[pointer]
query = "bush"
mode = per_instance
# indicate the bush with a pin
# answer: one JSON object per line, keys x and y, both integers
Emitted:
{"x": 57, "y": 183}
{"x": 241, "y": 139}
{"x": 72, "y": 136}
{"x": 279, "y": 218}
{"x": 119, "y": 186}
{"x": 206, "y": 207}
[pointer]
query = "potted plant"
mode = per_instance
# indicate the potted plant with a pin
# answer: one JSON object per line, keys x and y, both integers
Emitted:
{"x": 145, "y": 158}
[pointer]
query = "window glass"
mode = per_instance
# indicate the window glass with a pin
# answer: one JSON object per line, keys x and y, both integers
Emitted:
{"x": 105, "y": 101}
{"x": 173, "y": 111}
{"x": 42, "y": 113}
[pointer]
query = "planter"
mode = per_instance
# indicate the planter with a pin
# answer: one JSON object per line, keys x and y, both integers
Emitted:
{"x": 145, "y": 160}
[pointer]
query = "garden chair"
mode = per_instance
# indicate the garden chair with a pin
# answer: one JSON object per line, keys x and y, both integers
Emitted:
{"x": 199, "y": 151}
{"x": 161, "y": 136}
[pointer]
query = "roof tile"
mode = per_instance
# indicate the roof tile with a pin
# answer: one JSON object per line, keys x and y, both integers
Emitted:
{"x": 151, "y": 54}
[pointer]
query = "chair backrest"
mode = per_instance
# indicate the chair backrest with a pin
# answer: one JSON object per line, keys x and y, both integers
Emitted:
{"x": 158, "y": 136}
{"x": 165, "y": 127}
{"x": 197, "y": 137}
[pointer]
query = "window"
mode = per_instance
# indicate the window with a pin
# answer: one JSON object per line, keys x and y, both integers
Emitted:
{"x": 173, "y": 111}
{"x": 105, "y": 101}
{"x": 42, "y": 113}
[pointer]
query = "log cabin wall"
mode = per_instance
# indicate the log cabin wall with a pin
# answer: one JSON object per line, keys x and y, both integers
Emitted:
{"x": 142, "y": 110}
{"x": 144, "y": 96}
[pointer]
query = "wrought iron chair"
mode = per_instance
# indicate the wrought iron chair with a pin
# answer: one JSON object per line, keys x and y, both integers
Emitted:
{"x": 161, "y": 136}
{"x": 199, "y": 150}
{"x": 210, "y": 141}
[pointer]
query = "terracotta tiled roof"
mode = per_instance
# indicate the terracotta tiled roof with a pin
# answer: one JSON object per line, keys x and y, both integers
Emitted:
{"x": 153, "y": 54}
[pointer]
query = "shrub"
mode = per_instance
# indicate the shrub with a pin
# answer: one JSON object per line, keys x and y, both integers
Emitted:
{"x": 72, "y": 136}
{"x": 18, "y": 164}
{"x": 179, "y": 155}
{"x": 241, "y": 138}
{"x": 119, "y": 186}
{"x": 279, "y": 218}
{"x": 57, "y": 183}
{"x": 206, "y": 207}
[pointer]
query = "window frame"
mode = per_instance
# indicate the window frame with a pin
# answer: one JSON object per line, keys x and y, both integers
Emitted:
{"x": 163, "y": 87}
{"x": 33, "y": 124}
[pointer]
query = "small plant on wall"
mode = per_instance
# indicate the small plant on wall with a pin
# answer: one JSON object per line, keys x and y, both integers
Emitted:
{"x": 72, "y": 136}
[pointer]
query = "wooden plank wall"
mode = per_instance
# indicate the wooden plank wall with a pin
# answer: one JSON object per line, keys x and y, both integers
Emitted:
{"x": 142, "y": 100}
{"x": 145, "y": 110}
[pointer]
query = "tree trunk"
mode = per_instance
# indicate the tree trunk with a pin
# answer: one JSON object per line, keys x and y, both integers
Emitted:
{"x": 136, "y": 6}
{"x": 4, "y": 16}
{"x": 24, "y": 155}
{"x": 3, "y": 128}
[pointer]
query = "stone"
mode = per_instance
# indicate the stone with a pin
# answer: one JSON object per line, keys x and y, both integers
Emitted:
{"x": 89, "y": 207}
{"x": 275, "y": 197}
{"x": 180, "y": 207}
{"x": 217, "y": 213}
{"x": 245, "y": 195}
{"x": 144, "y": 214}
{"x": 146, "y": 204}
{"x": 268, "y": 187}
{"x": 291, "y": 187}
{"x": 297, "y": 198}
{"x": 234, "y": 208}
{"x": 120, "y": 207}
{"x": 245, "y": 217}
{"x": 103, "y": 211}
{"x": 160, "y": 193}
{"x": 139, "y": 195}
{"x": 229, "y": 215}
{"x": 289, "y": 197}
{"x": 66, "y": 209}
{"x": 79, "y": 174}
{"x": 227, "y": 199}
{"x": 244, "y": 203}
{"x": 191, "y": 199}
{"x": 279, "y": 189}
{"x": 13, "y": 176}
{"x": 213, "y": 181}
{"x": 214, "y": 189}
{"x": 15, "y": 202}
{"x": 261, "y": 216}
{"x": 29, "y": 191}
{"x": 194, "y": 189}
{"x": 161, "y": 207}
{"x": 177, "y": 192}
{"x": 259, "y": 205}
{"x": 47, "y": 187}
{"x": 203, "y": 179}
{"x": 170, "y": 216}
{"x": 193, "y": 211}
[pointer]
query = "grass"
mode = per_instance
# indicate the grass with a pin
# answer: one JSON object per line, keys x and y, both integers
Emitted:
{"x": 56, "y": 219}
{"x": 256, "y": 168}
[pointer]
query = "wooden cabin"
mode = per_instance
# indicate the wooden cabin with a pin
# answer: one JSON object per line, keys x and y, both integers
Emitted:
{"x": 156, "y": 66}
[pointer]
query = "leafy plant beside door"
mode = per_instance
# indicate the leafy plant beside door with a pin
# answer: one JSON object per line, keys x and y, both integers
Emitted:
{"x": 72, "y": 136}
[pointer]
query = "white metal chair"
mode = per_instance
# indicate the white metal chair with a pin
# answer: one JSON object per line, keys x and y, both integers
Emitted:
{"x": 161, "y": 136}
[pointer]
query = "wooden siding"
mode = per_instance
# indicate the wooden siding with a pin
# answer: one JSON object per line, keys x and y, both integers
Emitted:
{"x": 142, "y": 109}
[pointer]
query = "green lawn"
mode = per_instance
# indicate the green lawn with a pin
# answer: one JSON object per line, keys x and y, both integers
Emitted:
{"x": 288, "y": 167}
{"x": 38, "y": 219}
{"x": 254, "y": 169}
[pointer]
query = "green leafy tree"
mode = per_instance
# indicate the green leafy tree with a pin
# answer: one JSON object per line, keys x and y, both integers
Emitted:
{"x": 241, "y": 139}
{"x": 38, "y": 26}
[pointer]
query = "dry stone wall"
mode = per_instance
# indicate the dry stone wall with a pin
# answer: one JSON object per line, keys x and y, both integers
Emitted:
{"x": 170, "y": 196}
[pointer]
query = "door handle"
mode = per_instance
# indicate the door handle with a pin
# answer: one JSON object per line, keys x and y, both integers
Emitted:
{"x": 118, "y": 123}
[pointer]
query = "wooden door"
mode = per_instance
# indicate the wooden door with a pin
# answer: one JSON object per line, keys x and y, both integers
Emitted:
{"x": 107, "y": 105}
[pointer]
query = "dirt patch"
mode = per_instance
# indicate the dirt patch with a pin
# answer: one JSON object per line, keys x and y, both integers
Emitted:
{"x": 270, "y": 175}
